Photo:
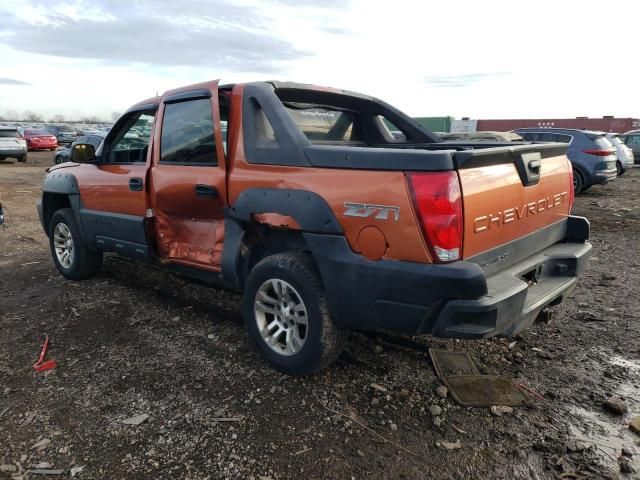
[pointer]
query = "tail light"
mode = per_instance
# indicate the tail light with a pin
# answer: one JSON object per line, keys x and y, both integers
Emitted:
{"x": 572, "y": 192}
{"x": 438, "y": 205}
{"x": 599, "y": 153}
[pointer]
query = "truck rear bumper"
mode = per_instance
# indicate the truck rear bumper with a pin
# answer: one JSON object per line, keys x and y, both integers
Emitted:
{"x": 460, "y": 299}
{"x": 517, "y": 295}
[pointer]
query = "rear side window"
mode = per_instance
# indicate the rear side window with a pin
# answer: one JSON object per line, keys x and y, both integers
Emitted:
{"x": 9, "y": 133}
{"x": 559, "y": 137}
{"x": 94, "y": 140}
{"x": 325, "y": 124}
{"x": 187, "y": 134}
{"x": 545, "y": 137}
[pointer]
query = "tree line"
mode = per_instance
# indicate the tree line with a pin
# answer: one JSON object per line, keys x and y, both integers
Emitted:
{"x": 35, "y": 117}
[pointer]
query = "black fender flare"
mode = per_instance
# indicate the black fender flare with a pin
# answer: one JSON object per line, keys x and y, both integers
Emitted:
{"x": 308, "y": 209}
{"x": 62, "y": 183}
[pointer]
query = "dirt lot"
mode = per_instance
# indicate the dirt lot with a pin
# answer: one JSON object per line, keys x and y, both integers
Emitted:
{"x": 136, "y": 340}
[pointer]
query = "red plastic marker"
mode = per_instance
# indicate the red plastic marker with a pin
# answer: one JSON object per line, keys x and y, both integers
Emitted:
{"x": 41, "y": 365}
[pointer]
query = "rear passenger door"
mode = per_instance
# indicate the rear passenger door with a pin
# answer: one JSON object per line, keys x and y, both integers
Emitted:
{"x": 188, "y": 179}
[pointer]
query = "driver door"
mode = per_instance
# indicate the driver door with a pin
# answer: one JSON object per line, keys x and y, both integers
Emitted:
{"x": 112, "y": 190}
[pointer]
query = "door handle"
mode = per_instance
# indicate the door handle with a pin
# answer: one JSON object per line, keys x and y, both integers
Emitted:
{"x": 135, "y": 184}
{"x": 206, "y": 191}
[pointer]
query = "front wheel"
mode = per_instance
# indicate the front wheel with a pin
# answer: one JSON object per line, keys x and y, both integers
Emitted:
{"x": 71, "y": 255}
{"x": 619, "y": 170}
{"x": 287, "y": 315}
{"x": 22, "y": 158}
{"x": 58, "y": 160}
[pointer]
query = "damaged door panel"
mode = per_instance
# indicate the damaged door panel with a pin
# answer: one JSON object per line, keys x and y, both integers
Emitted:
{"x": 188, "y": 190}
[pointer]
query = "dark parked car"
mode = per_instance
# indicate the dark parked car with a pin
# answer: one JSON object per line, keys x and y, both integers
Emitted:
{"x": 64, "y": 154}
{"x": 632, "y": 140}
{"x": 64, "y": 133}
{"x": 592, "y": 155}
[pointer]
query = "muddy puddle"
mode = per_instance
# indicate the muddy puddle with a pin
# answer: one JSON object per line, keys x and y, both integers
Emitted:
{"x": 609, "y": 435}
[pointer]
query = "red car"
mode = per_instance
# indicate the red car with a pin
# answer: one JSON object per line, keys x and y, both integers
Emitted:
{"x": 40, "y": 140}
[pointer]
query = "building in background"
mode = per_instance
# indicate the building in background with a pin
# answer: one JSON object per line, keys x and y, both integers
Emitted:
{"x": 436, "y": 124}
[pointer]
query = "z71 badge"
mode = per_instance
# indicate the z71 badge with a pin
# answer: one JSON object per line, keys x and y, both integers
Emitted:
{"x": 364, "y": 210}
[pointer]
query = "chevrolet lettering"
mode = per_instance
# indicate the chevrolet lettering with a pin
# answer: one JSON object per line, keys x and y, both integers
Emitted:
{"x": 486, "y": 222}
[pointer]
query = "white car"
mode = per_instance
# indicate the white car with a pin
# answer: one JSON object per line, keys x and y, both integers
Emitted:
{"x": 624, "y": 153}
{"x": 12, "y": 144}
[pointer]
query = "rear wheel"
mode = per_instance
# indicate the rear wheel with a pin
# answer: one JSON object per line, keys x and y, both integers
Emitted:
{"x": 578, "y": 182}
{"x": 287, "y": 315}
{"x": 619, "y": 170}
{"x": 22, "y": 158}
{"x": 70, "y": 254}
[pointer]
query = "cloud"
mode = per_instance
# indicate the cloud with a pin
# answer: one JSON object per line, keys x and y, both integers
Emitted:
{"x": 13, "y": 81}
{"x": 465, "y": 80}
{"x": 202, "y": 34}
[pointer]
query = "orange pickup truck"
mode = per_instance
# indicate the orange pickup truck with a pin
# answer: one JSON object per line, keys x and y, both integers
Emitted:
{"x": 302, "y": 198}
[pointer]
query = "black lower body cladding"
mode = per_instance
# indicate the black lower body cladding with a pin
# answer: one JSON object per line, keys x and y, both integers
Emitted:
{"x": 457, "y": 300}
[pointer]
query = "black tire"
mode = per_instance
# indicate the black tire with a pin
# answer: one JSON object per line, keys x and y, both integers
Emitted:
{"x": 324, "y": 341}
{"x": 86, "y": 262}
{"x": 578, "y": 182}
{"x": 57, "y": 160}
{"x": 619, "y": 170}
{"x": 22, "y": 159}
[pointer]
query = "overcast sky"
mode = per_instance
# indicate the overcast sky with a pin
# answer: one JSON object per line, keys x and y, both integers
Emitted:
{"x": 482, "y": 59}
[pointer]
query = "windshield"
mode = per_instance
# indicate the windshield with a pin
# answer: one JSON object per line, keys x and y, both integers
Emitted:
{"x": 9, "y": 133}
{"x": 36, "y": 132}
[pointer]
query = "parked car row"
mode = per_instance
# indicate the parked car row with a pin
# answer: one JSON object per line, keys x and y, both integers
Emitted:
{"x": 596, "y": 157}
{"x": 593, "y": 155}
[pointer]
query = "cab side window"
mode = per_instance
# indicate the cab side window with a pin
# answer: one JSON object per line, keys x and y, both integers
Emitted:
{"x": 187, "y": 134}
{"x": 131, "y": 143}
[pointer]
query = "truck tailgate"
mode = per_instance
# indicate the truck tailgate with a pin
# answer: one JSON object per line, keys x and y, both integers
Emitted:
{"x": 511, "y": 192}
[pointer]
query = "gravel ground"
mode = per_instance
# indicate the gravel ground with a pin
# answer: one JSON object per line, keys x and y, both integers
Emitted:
{"x": 138, "y": 341}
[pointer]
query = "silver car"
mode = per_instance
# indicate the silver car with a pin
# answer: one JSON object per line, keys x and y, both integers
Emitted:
{"x": 12, "y": 144}
{"x": 624, "y": 153}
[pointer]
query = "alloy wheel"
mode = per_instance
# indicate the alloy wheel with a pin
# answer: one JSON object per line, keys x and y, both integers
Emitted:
{"x": 63, "y": 244}
{"x": 281, "y": 316}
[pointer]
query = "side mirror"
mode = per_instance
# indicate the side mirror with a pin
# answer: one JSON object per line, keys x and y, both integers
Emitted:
{"x": 83, "y": 153}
